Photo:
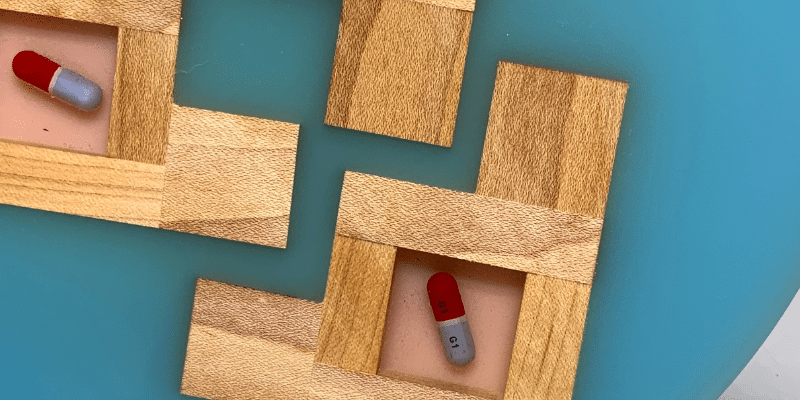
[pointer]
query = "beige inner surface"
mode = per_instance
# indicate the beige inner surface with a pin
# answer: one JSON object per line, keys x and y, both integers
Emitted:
{"x": 29, "y": 115}
{"x": 412, "y": 349}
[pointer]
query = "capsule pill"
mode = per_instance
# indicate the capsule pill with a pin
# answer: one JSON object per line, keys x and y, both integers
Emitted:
{"x": 61, "y": 83}
{"x": 448, "y": 310}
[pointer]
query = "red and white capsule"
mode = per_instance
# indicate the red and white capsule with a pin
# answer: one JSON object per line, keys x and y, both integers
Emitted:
{"x": 61, "y": 83}
{"x": 448, "y": 310}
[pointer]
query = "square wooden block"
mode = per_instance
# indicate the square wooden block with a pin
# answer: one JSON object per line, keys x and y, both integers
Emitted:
{"x": 229, "y": 176}
{"x": 398, "y": 68}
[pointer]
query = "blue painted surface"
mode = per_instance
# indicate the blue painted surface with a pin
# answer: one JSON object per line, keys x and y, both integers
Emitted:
{"x": 699, "y": 256}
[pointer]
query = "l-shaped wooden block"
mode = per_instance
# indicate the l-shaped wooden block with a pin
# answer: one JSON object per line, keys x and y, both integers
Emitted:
{"x": 544, "y": 177}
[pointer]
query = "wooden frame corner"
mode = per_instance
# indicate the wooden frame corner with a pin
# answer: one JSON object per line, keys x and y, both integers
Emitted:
{"x": 145, "y": 178}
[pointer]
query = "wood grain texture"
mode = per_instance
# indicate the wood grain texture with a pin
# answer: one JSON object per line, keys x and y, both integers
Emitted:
{"x": 398, "y": 69}
{"x": 466, "y": 5}
{"x": 356, "y": 301}
{"x": 247, "y": 344}
{"x": 551, "y": 139}
{"x": 469, "y": 227}
{"x": 548, "y": 339}
{"x": 142, "y": 98}
{"x": 162, "y": 16}
{"x": 229, "y": 176}
{"x": 550, "y": 142}
{"x": 80, "y": 184}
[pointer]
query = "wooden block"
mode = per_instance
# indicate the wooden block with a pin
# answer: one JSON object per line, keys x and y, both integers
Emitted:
{"x": 247, "y": 344}
{"x": 398, "y": 69}
{"x": 550, "y": 142}
{"x": 229, "y": 176}
{"x": 548, "y": 339}
{"x": 551, "y": 139}
{"x": 470, "y": 227}
{"x": 162, "y": 16}
{"x": 80, "y": 184}
{"x": 142, "y": 99}
{"x": 356, "y": 300}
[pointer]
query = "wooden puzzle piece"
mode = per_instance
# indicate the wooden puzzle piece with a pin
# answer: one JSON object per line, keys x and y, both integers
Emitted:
{"x": 229, "y": 176}
{"x": 172, "y": 167}
{"x": 550, "y": 144}
{"x": 398, "y": 68}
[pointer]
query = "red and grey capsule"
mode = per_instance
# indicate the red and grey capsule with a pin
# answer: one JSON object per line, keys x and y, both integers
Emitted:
{"x": 63, "y": 84}
{"x": 448, "y": 310}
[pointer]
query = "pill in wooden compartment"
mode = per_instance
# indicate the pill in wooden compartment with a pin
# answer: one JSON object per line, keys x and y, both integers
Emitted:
{"x": 448, "y": 310}
{"x": 61, "y": 83}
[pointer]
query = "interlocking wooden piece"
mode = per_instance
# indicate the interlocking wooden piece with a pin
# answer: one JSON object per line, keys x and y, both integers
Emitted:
{"x": 81, "y": 184}
{"x": 360, "y": 276}
{"x": 229, "y": 176}
{"x": 162, "y": 16}
{"x": 247, "y": 344}
{"x": 398, "y": 68}
{"x": 550, "y": 142}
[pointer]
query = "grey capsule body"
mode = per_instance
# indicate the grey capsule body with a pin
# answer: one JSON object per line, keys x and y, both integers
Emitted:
{"x": 457, "y": 340}
{"x": 71, "y": 88}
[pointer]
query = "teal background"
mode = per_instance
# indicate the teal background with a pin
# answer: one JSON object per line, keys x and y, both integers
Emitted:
{"x": 699, "y": 256}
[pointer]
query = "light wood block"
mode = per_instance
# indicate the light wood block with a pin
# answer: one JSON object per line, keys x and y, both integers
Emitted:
{"x": 162, "y": 16}
{"x": 398, "y": 68}
{"x": 81, "y": 184}
{"x": 461, "y": 225}
{"x": 142, "y": 98}
{"x": 229, "y": 176}
{"x": 548, "y": 339}
{"x": 247, "y": 344}
{"x": 551, "y": 139}
{"x": 550, "y": 142}
{"x": 356, "y": 300}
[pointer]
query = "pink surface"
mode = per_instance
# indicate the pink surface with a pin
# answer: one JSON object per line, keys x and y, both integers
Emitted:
{"x": 412, "y": 349}
{"x": 29, "y": 115}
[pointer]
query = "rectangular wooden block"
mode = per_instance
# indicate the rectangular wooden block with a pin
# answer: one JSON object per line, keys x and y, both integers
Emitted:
{"x": 142, "y": 99}
{"x": 476, "y": 228}
{"x": 356, "y": 300}
{"x": 398, "y": 68}
{"x": 162, "y": 16}
{"x": 81, "y": 184}
{"x": 551, "y": 139}
{"x": 548, "y": 339}
{"x": 229, "y": 176}
{"x": 247, "y": 344}
{"x": 550, "y": 142}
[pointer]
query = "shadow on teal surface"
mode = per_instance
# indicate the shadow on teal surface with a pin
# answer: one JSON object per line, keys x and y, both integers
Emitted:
{"x": 699, "y": 256}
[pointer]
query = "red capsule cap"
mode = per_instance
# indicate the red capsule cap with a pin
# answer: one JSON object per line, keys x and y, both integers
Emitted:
{"x": 445, "y": 297}
{"x": 34, "y": 68}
